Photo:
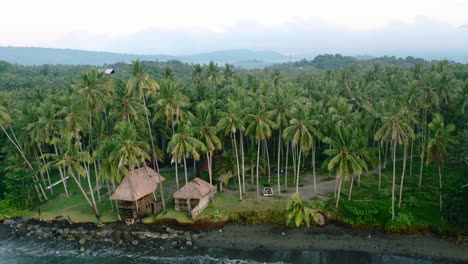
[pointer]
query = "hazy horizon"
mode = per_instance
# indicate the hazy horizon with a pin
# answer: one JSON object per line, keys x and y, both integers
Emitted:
{"x": 296, "y": 27}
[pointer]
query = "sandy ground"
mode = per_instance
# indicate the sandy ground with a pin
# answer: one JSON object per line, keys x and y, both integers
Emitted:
{"x": 331, "y": 237}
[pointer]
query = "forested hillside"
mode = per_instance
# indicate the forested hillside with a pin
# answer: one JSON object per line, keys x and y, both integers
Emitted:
{"x": 49, "y": 56}
{"x": 334, "y": 116}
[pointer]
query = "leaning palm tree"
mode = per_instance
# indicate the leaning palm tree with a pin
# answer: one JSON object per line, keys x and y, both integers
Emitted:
{"x": 72, "y": 160}
{"x": 5, "y": 122}
{"x": 394, "y": 129}
{"x": 440, "y": 139}
{"x": 344, "y": 158}
{"x": 143, "y": 86}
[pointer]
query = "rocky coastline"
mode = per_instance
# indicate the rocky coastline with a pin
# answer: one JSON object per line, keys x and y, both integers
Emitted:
{"x": 237, "y": 241}
{"x": 90, "y": 239}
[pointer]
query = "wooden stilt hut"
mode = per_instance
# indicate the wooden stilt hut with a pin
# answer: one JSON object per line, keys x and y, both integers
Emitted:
{"x": 194, "y": 196}
{"x": 135, "y": 195}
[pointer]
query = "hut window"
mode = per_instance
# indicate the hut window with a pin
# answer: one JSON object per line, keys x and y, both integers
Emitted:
{"x": 182, "y": 203}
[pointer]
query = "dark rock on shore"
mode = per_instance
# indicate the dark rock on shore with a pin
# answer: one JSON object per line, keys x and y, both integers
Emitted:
{"x": 87, "y": 238}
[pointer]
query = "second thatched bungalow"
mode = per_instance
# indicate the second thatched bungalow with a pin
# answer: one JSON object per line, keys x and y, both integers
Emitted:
{"x": 194, "y": 196}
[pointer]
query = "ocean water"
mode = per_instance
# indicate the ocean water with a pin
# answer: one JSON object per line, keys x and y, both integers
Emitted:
{"x": 30, "y": 252}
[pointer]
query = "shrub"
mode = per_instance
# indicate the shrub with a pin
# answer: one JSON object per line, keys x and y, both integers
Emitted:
{"x": 216, "y": 214}
{"x": 359, "y": 213}
{"x": 404, "y": 221}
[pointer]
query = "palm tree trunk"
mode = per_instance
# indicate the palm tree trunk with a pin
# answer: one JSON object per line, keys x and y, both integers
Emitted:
{"x": 278, "y": 168}
{"x": 90, "y": 187}
{"x": 88, "y": 177}
{"x": 238, "y": 165}
{"x": 351, "y": 188}
{"x": 421, "y": 170}
{"x": 93, "y": 205}
{"x": 393, "y": 180}
{"x": 286, "y": 168}
{"x": 194, "y": 168}
{"x": 258, "y": 164}
{"x": 440, "y": 191}
{"x": 185, "y": 168}
{"x": 403, "y": 174}
{"x": 176, "y": 173}
{"x": 268, "y": 160}
{"x": 47, "y": 169}
{"x": 209, "y": 167}
{"x": 154, "y": 158}
{"x": 35, "y": 179}
{"x": 109, "y": 192}
{"x": 293, "y": 150}
{"x": 162, "y": 196}
{"x": 385, "y": 154}
{"x": 380, "y": 166}
{"x": 62, "y": 174}
{"x": 298, "y": 170}
{"x": 339, "y": 191}
{"x": 98, "y": 185}
{"x": 411, "y": 158}
{"x": 313, "y": 167}
{"x": 243, "y": 161}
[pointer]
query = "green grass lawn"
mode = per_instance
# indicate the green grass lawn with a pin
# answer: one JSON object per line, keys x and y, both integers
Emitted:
{"x": 422, "y": 205}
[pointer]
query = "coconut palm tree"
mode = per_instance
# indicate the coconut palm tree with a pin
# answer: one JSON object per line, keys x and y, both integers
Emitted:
{"x": 205, "y": 123}
{"x": 440, "y": 140}
{"x": 72, "y": 159}
{"x": 279, "y": 104}
{"x": 143, "y": 86}
{"x": 298, "y": 133}
{"x": 259, "y": 128}
{"x": 170, "y": 102}
{"x": 298, "y": 212}
{"x": 182, "y": 146}
{"x": 125, "y": 106}
{"x": 230, "y": 123}
{"x": 409, "y": 118}
{"x": 5, "y": 122}
{"x": 344, "y": 158}
{"x": 394, "y": 129}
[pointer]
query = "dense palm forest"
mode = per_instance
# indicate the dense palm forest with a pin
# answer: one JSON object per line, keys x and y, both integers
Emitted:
{"x": 333, "y": 115}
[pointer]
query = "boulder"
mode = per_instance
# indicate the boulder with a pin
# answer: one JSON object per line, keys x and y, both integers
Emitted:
{"x": 9, "y": 222}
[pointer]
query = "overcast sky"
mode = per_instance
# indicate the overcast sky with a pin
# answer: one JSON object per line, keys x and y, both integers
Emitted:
{"x": 289, "y": 26}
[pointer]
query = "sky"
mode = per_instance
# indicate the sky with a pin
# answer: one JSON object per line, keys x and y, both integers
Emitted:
{"x": 179, "y": 27}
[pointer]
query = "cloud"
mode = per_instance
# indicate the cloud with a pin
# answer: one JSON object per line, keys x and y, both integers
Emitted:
{"x": 297, "y": 36}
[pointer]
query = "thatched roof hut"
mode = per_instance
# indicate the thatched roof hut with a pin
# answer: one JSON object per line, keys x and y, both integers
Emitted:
{"x": 195, "y": 189}
{"x": 194, "y": 196}
{"x": 137, "y": 184}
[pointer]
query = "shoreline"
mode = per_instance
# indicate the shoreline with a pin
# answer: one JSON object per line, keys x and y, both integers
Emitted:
{"x": 233, "y": 240}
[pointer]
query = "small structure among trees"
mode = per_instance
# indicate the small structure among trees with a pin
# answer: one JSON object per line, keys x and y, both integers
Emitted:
{"x": 136, "y": 194}
{"x": 194, "y": 196}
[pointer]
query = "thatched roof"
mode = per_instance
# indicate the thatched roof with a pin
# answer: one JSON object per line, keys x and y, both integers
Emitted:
{"x": 195, "y": 189}
{"x": 137, "y": 184}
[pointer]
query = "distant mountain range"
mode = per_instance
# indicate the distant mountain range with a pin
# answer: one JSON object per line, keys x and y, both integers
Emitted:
{"x": 39, "y": 56}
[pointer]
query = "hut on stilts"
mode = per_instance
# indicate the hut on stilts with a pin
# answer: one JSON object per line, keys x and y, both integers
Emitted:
{"x": 136, "y": 194}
